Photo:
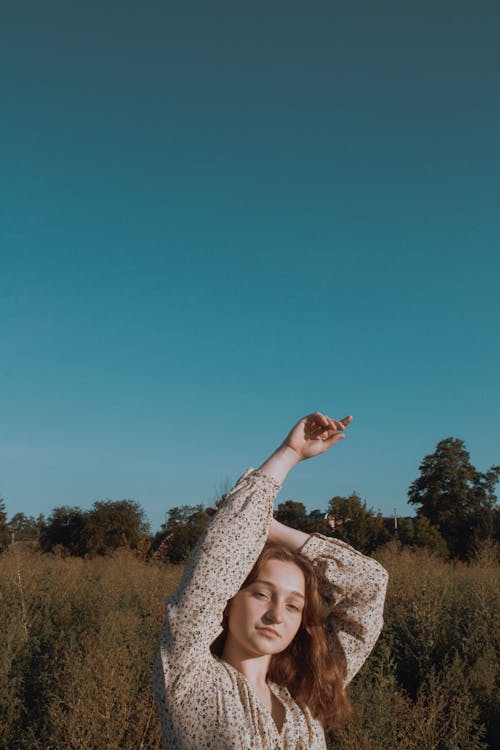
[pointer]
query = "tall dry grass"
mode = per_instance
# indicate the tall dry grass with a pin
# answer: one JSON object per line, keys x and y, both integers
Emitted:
{"x": 80, "y": 678}
{"x": 79, "y": 638}
{"x": 432, "y": 681}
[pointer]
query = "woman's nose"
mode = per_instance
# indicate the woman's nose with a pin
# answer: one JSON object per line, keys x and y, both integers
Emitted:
{"x": 276, "y": 612}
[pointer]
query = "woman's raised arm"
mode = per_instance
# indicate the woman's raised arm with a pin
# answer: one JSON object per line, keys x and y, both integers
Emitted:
{"x": 352, "y": 584}
{"x": 310, "y": 437}
{"x": 226, "y": 552}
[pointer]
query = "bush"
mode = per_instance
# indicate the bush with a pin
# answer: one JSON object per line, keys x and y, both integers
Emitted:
{"x": 109, "y": 525}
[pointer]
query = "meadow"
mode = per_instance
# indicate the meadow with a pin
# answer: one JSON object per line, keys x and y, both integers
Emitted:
{"x": 79, "y": 638}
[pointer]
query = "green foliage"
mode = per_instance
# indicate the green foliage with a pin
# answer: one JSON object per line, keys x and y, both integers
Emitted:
{"x": 496, "y": 523}
{"x": 356, "y": 524}
{"x": 182, "y": 530}
{"x": 290, "y": 513}
{"x": 181, "y": 514}
{"x": 107, "y": 526}
{"x": 455, "y": 497}
{"x": 111, "y": 524}
{"x": 64, "y": 531}
{"x": 4, "y": 528}
{"x": 182, "y": 543}
{"x": 420, "y": 532}
{"x": 26, "y": 528}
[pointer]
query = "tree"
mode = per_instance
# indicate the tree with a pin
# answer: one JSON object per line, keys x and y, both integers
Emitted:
{"x": 496, "y": 524}
{"x": 64, "y": 528}
{"x": 455, "y": 497}
{"x": 111, "y": 524}
{"x": 108, "y": 525}
{"x": 184, "y": 539}
{"x": 4, "y": 528}
{"x": 291, "y": 513}
{"x": 420, "y": 532}
{"x": 181, "y": 514}
{"x": 357, "y": 525}
{"x": 180, "y": 532}
{"x": 25, "y": 528}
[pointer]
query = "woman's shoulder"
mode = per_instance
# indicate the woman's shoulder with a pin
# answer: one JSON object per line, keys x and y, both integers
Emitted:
{"x": 213, "y": 679}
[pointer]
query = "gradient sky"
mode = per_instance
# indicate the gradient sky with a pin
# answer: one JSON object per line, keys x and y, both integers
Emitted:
{"x": 219, "y": 218}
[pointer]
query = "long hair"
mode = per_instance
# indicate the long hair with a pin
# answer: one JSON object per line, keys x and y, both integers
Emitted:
{"x": 312, "y": 668}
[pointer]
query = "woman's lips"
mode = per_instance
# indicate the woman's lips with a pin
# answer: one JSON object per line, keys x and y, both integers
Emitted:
{"x": 269, "y": 632}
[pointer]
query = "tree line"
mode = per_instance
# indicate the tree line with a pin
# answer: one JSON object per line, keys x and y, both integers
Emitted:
{"x": 455, "y": 513}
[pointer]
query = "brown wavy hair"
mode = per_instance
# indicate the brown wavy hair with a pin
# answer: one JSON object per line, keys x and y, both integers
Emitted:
{"x": 312, "y": 668}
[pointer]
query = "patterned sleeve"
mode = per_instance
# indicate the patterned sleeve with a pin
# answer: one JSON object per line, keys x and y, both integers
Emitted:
{"x": 215, "y": 571}
{"x": 353, "y": 587}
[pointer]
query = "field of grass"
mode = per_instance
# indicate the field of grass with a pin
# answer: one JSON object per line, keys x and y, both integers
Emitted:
{"x": 79, "y": 638}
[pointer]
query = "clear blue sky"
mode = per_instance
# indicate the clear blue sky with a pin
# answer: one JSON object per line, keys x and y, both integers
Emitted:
{"x": 217, "y": 219}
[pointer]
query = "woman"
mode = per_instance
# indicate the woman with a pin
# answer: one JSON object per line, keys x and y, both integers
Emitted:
{"x": 260, "y": 640}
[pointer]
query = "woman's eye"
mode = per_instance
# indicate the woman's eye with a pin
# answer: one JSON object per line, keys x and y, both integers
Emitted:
{"x": 292, "y": 606}
{"x": 260, "y": 594}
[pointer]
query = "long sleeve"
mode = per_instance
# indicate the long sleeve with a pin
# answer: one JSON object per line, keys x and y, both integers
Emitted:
{"x": 218, "y": 566}
{"x": 353, "y": 587}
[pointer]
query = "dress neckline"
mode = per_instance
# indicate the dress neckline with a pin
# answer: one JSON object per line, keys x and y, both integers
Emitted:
{"x": 273, "y": 687}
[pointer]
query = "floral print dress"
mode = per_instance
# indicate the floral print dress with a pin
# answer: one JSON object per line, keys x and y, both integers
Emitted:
{"x": 206, "y": 704}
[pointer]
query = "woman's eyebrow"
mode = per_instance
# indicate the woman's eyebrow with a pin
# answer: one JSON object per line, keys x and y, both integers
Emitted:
{"x": 270, "y": 583}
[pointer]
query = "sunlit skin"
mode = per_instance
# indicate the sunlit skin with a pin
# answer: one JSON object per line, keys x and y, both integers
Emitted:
{"x": 263, "y": 619}
{"x": 274, "y": 601}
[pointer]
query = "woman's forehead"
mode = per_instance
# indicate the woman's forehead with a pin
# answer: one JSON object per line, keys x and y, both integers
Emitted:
{"x": 282, "y": 575}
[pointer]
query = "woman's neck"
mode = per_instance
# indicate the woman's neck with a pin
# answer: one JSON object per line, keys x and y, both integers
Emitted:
{"x": 254, "y": 668}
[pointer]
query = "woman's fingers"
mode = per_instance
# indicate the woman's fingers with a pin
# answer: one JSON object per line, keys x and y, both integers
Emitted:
{"x": 334, "y": 439}
{"x": 323, "y": 427}
{"x": 339, "y": 433}
{"x": 340, "y": 424}
{"x": 318, "y": 418}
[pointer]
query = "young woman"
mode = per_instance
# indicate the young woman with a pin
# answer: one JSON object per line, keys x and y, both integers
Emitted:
{"x": 268, "y": 624}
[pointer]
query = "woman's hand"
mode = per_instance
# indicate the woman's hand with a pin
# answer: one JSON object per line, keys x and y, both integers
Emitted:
{"x": 315, "y": 434}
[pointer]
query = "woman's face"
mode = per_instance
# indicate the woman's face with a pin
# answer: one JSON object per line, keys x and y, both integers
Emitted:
{"x": 264, "y": 617}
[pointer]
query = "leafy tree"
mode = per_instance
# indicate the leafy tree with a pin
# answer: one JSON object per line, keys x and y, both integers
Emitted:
{"x": 420, "y": 532}
{"x": 355, "y": 524}
{"x": 315, "y": 522}
{"x": 455, "y": 497}
{"x": 496, "y": 523}
{"x": 111, "y": 524}
{"x": 64, "y": 528}
{"x": 291, "y": 513}
{"x": 180, "y": 532}
{"x": 181, "y": 514}
{"x": 26, "y": 528}
{"x": 4, "y": 528}
{"x": 184, "y": 540}
{"x": 108, "y": 525}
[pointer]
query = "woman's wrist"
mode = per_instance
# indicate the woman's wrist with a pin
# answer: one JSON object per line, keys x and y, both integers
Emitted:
{"x": 280, "y": 463}
{"x": 287, "y": 536}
